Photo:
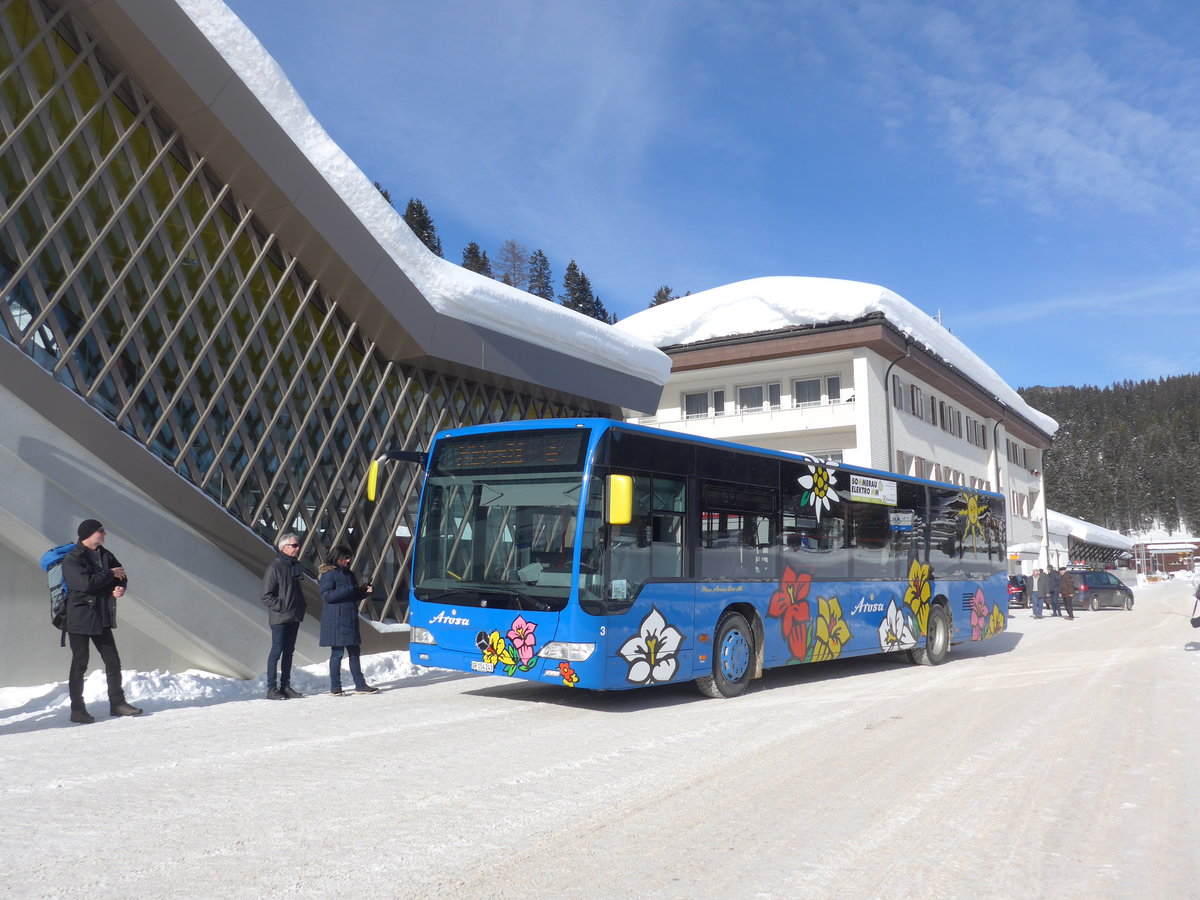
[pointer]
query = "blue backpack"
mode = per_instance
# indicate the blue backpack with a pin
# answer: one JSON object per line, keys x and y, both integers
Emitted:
{"x": 52, "y": 562}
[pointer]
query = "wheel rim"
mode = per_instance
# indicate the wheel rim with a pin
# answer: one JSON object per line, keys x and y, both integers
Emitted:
{"x": 939, "y": 638}
{"x": 735, "y": 655}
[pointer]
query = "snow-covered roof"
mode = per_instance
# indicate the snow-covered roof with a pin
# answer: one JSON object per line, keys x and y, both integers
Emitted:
{"x": 769, "y": 304}
{"x": 450, "y": 289}
{"x": 1086, "y": 531}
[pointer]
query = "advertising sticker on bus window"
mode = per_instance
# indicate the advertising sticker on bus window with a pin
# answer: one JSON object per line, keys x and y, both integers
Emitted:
{"x": 864, "y": 489}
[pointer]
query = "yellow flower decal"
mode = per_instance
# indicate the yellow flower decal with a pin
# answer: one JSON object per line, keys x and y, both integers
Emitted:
{"x": 916, "y": 595}
{"x": 832, "y": 631}
{"x": 995, "y": 623}
{"x": 498, "y": 651}
{"x": 972, "y": 515}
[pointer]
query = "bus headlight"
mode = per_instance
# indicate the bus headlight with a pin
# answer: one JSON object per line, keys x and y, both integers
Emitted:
{"x": 568, "y": 651}
{"x": 419, "y": 635}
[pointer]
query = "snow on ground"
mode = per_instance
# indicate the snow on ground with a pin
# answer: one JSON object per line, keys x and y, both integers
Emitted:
{"x": 1055, "y": 760}
{"x": 26, "y": 708}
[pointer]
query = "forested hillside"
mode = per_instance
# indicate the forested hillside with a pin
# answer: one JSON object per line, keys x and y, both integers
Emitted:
{"x": 1125, "y": 456}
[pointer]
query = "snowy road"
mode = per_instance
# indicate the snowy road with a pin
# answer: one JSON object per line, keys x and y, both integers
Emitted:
{"x": 1056, "y": 761}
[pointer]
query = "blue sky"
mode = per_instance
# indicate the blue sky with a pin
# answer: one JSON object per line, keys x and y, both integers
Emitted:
{"x": 1029, "y": 170}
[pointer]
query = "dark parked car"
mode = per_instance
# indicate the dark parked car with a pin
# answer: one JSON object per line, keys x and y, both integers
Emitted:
{"x": 1097, "y": 589}
{"x": 1018, "y": 590}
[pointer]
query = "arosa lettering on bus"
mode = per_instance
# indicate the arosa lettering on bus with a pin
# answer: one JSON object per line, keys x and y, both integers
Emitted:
{"x": 451, "y": 619}
{"x": 865, "y": 605}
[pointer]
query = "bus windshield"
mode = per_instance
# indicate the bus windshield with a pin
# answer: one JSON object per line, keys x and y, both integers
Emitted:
{"x": 498, "y": 540}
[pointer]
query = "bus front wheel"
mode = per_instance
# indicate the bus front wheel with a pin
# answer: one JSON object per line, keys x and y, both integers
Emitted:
{"x": 732, "y": 660}
{"x": 937, "y": 639}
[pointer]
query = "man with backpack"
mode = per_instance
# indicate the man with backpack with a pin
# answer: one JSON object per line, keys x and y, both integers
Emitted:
{"x": 94, "y": 580}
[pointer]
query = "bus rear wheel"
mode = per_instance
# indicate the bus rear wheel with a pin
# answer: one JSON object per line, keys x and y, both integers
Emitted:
{"x": 732, "y": 659}
{"x": 937, "y": 639}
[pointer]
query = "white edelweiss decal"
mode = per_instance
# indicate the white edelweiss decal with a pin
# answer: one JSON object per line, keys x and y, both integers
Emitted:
{"x": 651, "y": 653}
{"x": 818, "y": 487}
{"x": 895, "y": 632}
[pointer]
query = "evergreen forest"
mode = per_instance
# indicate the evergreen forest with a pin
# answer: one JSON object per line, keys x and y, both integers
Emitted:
{"x": 1125, "y": 456}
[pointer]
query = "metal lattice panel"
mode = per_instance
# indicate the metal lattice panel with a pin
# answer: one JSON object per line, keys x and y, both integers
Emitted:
{"x": 137, "y": 279}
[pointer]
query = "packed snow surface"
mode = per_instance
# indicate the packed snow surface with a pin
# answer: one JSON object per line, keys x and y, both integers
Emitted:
{"x": 452, "y": 290}
{"x": 1054, "y": 760}
{"x": 769, "y": 304}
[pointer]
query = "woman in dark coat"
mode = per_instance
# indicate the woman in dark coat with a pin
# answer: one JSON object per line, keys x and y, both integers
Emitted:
{"x": 340, "y": 593}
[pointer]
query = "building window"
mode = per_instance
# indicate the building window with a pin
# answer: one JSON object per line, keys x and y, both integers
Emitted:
{"x": 702, "y": 404}
{"x": 758, "y": 397}
{"x": 806, "y": 392}
{"x": 816, "y": 391}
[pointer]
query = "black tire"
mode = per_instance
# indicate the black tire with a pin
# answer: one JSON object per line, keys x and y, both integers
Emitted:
{"x": 732, "y": 658}
{"x": 937, "y": 639}
{"x": 1129, "y": 603}
{"x": 1095, "y": 603}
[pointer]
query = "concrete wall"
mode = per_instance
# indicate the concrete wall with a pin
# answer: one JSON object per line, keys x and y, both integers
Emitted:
{"x": 189, "y": 604}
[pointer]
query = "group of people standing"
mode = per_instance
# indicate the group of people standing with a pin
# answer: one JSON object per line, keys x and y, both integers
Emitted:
{"x": 95, "y": 580}
{"x": 284, "y": 600}
{"x": 1053, "y": 586}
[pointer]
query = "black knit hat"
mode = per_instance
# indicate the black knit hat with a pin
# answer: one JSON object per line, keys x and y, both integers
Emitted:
{"x": 87, "y": 528}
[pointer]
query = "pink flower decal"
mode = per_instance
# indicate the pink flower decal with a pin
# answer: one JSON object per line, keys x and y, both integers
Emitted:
{"x": 980, "y": 616}
{"x": 521, "y": 635}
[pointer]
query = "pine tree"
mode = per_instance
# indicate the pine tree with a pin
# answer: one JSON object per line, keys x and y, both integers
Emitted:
{"x": 476, "y": 260}
{"x": 513, "y": 264}
{"x": 662, "y": 295}
{"x": 387, "y": 195}
{"x": 418, "y": 219}
{"x": 577, "y": 295}
{"x": 541, "y": 282}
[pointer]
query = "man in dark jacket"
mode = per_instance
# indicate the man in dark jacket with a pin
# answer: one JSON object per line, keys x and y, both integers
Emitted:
{"x": 95, "y": 579}
{"x": 1054, "y": 581}
{"x": 284, "y": 600}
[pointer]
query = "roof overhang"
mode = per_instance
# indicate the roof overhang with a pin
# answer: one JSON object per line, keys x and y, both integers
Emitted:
{"x": 874, "y": 333}
{"x": 197, "y": 90}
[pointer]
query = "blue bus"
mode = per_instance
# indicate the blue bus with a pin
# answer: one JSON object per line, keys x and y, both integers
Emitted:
{"x": 599, "y": 554}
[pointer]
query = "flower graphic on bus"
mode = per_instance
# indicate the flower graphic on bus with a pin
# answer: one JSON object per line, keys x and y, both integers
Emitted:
{"x": 521, "y": 636}
{"x": 832, "y": 631}
{"x": 512, "y": 653}
{"x": 980, "y": 615}
{"x": 790, "y": 606}
{"x": 818, "y": 486}
{"x": 651, "y": 653}
{"x": 895, "y": 631}
{"x": 997, "y": 623}
{"x": 972, "y": 515}
{"x": 916, "y": 595}
{"x": 569, "y": 678}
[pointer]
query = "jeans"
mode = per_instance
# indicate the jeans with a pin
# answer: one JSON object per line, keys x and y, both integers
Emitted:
{"x": 283, "y": 644}
{"x": 79, "y": 662}
{"x": 335, "y": 667}
{"x": 1037, "y": 605}
{"x": 1054, "y": 603}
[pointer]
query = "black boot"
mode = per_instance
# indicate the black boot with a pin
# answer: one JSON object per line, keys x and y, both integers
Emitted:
{"x": 124, "y": 709}
{"x": 82, "y": 716}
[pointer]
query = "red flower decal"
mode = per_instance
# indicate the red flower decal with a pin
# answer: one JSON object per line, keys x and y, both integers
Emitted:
{"x": 788, "y": 604}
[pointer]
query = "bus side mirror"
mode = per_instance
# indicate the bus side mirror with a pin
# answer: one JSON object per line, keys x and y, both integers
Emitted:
{"x": 413, "y": 456}
{"x": 620, "y": 499}
{"x": 373, "y": 481}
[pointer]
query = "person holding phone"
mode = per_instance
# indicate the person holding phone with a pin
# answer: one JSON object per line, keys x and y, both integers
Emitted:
{"x": 341, "y": 593}
{"x": 95, "y": 579}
